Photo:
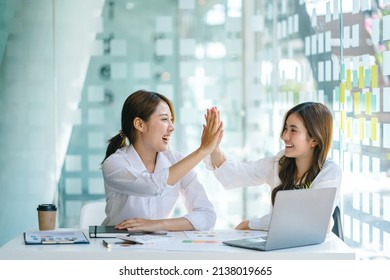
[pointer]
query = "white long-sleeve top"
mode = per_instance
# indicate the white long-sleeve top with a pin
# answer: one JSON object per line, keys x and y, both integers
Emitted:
{"x": 133, "y": 192}
{"x": 233, "y": 174}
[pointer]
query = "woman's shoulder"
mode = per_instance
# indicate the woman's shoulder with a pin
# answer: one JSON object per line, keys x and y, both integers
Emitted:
{"x": 118, "y": 157}
{"x": 118, "y": 154}
{"x": 330, "y": 163}
{"x": 330, "y": 166}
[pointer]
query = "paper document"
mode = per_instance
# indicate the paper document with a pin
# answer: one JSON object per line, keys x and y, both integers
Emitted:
{"x": 211, "y": 241}
{"x": 55, "y": 237}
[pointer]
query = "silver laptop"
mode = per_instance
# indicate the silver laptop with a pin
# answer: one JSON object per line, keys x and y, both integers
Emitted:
{"x": 299, "y": 218}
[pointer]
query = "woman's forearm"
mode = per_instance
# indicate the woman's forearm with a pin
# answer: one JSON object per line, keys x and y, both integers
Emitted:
{"x": 181, "y": 168}
{"x": 217, "y": 158}
{"x": 211, "y": 137}
{"x": 176, "y": 224}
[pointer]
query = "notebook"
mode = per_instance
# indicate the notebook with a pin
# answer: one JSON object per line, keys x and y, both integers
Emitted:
{"x": 106, "y": 231}
{"x": 299, "y": 218}
{"x": 112, "y": 232}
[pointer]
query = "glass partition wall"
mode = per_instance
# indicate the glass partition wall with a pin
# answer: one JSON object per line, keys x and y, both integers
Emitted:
{"x": 67, "y": 67}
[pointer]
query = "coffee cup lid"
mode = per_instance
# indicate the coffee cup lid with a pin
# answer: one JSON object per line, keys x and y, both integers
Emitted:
{"x": 47, "y": 207}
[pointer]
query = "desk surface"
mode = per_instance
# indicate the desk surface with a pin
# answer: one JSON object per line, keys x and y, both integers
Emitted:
{"x": 332, "y": 249}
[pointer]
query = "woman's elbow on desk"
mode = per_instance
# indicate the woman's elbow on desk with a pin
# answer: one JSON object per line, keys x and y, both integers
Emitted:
{"x": 204, "y": 221}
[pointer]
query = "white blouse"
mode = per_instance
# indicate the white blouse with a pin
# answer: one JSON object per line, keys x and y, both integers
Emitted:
{"x": 233, "y": 174}
{"x": 133, "y": 192}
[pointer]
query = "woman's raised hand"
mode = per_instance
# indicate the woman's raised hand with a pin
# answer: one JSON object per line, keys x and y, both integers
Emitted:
{"x": 212, "y": 131}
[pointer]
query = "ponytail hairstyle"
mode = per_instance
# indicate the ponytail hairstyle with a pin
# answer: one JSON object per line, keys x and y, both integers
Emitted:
{"x": 318, "y": 121}
{"x": 141, "y": 104}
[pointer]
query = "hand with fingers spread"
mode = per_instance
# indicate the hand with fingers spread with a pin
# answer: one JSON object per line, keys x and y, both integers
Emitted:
{"x": 211, "y": 137}
{"x": 213, "y": 124}
{"x": 212, "y": 131}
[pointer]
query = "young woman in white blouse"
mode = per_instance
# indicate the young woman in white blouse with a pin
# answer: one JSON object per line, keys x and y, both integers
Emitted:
{"x": 144, "y": 178}
{"x": 307, "y": 137}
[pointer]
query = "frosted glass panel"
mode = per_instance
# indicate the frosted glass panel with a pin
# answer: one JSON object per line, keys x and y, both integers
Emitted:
{"x": 95, "y": 186}
{"x": 73, "y": 163}
{"x": 142, "y": 70}
{"x": 118, "y": 47}
{"x": 187, "y": 47}
{"x": 94, "y": 162}
{"x": 96, "y": 116}
{"x": 73, "y": 186}
{"x": 96, "y": 140}
{"x": 164, "y": 24}
{"x": 186, "y": 4}
{"x": 95, "y": 94}
{"x": 164, "y": 47}
{"x": 119, "y": 70}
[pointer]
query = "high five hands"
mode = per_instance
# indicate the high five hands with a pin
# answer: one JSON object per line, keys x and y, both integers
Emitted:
{"x": 212, "y": 131}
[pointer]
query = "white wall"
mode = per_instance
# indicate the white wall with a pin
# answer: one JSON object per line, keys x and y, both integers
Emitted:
{"x": 41, "y": 75}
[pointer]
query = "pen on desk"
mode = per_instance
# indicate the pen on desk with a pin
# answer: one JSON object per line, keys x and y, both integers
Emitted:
{"x": 106, "y": 244}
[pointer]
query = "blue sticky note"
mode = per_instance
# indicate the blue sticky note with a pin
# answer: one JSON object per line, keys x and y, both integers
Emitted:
{"x": 367, "y": 77}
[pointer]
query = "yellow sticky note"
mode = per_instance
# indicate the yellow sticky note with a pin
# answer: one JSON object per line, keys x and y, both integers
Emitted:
{"x": 368, "y": 103}
{"x": 342, "y": 120}
{"x": 374, "y": 122}
{"x": 374, "y": 76}
{"x": 361, "y": 128}
{"x": 361, "y": 77}
{"x": 348, "y": 81}
{"x": 349, "y": 128}
{"x": 342, "y": 93}
{"x": 356, "y": 103}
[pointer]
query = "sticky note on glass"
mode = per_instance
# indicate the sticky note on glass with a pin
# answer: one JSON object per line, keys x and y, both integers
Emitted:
{"x": 361, "y": 77}
{"x": 356, "y": 103}
{"x": 367, "y": 77}
{"x": 349, "y": 128}
{"x": 386, "y": 99}
{"x": 368, "y": 103}
{"x": 386, "y": 29}
{"x": 336, "y": 94}
{"x": 348, "y": 80}
{"x": 342, "y": 93}
{"x": 342, "y": 120}
{"x": 386, "y": 62}
{"x": 374, "y": 76}
{"x": 361, "y": 128}
{"x": 374, "y": 122}
{"x": 342, "y": 72}
{"x": 355, "y": 79}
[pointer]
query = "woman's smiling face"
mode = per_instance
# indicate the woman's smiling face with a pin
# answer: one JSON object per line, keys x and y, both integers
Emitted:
{"x": 298, "y": 144}
{"x": 158, "y": 129}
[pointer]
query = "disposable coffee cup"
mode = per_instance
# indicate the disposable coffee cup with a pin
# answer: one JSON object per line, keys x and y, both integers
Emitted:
{"x": 47, "y": 216}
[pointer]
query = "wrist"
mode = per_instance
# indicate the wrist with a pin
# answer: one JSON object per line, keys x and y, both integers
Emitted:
{"x": 202, "y": 152}
{"x": 217, "y": 158}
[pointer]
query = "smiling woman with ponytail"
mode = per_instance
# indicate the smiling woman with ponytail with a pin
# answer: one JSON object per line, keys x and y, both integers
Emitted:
{"x": 144, "y": 178}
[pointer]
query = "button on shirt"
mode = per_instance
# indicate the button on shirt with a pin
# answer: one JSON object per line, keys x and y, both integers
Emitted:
{"x": 232, "y": 174}
{"x": 133, "y": 192}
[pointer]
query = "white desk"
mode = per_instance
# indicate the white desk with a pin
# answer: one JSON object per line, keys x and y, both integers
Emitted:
{"x": 332, "y": 249}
